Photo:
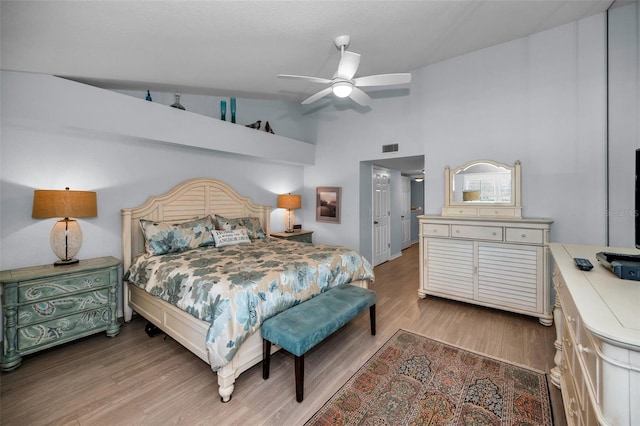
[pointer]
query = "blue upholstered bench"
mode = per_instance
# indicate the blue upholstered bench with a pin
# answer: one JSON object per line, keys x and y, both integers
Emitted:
{"x": 303, "y": 326}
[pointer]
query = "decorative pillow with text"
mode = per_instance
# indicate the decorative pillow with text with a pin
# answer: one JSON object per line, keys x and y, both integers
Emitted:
{"x": 229, "y": 238}
{"x": 251, "y": 224}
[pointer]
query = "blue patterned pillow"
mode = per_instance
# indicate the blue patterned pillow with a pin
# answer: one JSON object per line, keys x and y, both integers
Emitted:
{"x": 251, "y": 224}
{"x": 162, "y": 237}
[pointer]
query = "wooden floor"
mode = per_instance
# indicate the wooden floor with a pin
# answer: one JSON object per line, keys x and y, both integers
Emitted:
{"x": 136, "y": 380}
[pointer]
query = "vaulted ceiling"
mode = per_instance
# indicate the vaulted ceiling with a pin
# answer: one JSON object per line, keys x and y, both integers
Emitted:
{"x": 238, "y": 47}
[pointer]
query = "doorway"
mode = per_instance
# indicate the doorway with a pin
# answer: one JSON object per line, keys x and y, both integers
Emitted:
{"x": 381, "y": 215}
{"x": 400, "y": 169}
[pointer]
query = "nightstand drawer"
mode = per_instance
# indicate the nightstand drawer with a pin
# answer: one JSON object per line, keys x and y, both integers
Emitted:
{"x": 302, "y": 238}
{"x": 60, "y": 307}
{"x": 44, "y": 289}
{"x": 63, "y": 329}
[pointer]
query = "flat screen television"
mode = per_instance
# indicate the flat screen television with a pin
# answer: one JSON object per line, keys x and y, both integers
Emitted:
{"x": 637, "y": 212}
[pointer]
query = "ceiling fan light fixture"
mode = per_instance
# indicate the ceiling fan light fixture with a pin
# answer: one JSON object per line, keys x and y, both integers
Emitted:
{"x": 342, "y": 89}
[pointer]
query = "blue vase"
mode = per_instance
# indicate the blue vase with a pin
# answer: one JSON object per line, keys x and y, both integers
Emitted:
{"x": 223, "y": 110}
{"x": 233, "y": 110}
{"x": 148, "y": 96}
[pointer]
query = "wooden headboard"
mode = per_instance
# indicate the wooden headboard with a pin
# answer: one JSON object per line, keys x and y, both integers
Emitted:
{"x": 189, "y": 200}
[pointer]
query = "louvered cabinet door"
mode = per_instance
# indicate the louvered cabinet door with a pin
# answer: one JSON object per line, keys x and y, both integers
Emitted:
{"x": 449, "y": 268}
{"x": 511, "y": 276}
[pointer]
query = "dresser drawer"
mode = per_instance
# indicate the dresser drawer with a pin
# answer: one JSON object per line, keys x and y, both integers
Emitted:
{"x": 569, "y": 395}
{"x": 60, "y": 330}
{"x": 460, "y": 211}
{"x": 524, "y": 235}
{"x": 477, "y": 232}
{"x": 502, "y": 212}
{"x": 586, "y": 350}
{"x": 63, "y": 306}
{"x": 435, "y": 230}
{"x": 569, "y": 309}
{"x": 567, "y": 348}
{"x": 44, "y": 289}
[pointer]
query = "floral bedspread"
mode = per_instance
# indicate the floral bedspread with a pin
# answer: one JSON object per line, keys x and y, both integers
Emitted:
{"x": 236, "y": 288}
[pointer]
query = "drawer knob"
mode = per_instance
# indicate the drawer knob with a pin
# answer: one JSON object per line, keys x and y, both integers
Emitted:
{"x": 570, "y": 318}
{"x": 457, "y": 231}
{"x": 582, "y": 349}
{"x": 524, "y": 235}
{"x": 435, "y": 230}
{"x": 494, "y": 233}
{"x": 461, "y": 211}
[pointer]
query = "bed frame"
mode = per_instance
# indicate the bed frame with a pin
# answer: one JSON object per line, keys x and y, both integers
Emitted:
{"x": 191, "y": 199}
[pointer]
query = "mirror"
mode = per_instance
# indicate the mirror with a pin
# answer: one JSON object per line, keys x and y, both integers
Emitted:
{"x": 483, "y": 188}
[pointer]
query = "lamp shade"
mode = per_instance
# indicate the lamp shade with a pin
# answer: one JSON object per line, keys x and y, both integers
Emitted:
{"x": 289, "y": 201}
{"x": 63, "y": 203}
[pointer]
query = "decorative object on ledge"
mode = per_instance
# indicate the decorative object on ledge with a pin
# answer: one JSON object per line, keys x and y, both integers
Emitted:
{"x": 177, "y": 103}
{"x": 149, "y": 96}
{"x": 328, "y": 204}
{"x": 255, "y": 125}
{"x": 268, "y": 128}
{"x": 66, "y": 235}
{"x": 289, "y": 202}
{"x": 232, "y": 106}
{"x": 223, "y": 110}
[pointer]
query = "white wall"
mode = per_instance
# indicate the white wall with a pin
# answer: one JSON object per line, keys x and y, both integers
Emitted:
{"x": 539, "y": 99}
{"x": 47, "y": 153}
{"x": 624, "y": 120}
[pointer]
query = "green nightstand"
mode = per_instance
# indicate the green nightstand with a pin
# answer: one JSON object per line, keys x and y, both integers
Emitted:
{"x": 300, "y": 236}
{"x": 47, "y": 305}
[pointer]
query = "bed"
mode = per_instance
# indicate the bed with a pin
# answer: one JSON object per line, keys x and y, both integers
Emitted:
{"x": 195, "y": 198}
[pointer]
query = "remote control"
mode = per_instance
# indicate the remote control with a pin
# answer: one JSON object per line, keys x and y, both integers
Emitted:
{"x": 583, "y": 264}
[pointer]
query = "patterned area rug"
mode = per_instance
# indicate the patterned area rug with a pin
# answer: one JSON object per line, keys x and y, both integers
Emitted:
{"x": 414, "y": 380}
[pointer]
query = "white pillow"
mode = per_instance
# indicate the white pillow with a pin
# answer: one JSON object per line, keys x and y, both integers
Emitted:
{"x": 229, "y": 238}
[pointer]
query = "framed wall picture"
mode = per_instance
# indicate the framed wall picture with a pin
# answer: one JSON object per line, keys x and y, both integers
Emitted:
{"x": 328, "y": 204}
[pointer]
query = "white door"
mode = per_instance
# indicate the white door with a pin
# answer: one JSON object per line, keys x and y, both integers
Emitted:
{"x": 405, "y": 212}
{"x": 381, "y": 216}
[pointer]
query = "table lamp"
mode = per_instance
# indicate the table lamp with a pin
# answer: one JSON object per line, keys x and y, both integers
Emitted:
{"x": 289, "y": 202}
{"x": 66, "y": 235}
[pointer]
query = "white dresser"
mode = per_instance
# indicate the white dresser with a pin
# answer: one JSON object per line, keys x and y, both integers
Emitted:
{"x": 499, "y": 263}
{"x": 597, "y": 319}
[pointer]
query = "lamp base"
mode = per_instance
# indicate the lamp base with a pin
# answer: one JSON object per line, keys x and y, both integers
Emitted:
{"x": 66, "y": 239}
{"x": 64, "y": 262}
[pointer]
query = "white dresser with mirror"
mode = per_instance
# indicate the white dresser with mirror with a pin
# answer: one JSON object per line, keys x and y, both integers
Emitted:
{"x": 481, "y": 250}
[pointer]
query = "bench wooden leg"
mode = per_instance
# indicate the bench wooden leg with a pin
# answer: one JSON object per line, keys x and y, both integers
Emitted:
{"x": 299, "y": 377}
{"x": 372, "y": 317}
{"x": 266, "y": 358}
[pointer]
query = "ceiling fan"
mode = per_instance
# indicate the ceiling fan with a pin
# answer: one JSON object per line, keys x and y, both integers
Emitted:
{"x": 343, "y": 84}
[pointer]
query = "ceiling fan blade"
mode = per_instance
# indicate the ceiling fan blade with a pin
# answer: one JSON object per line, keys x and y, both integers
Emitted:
{"x": 348, "y": 65}
{"x": 360, "y": 97}
{"x": 306, "y": 78}
{"x": 383, "y": 80}
{"x": 319, "y": 95}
